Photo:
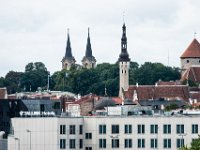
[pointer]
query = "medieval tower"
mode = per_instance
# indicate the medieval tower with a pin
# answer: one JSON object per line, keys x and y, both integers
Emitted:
{"x": 124, "y": 63}
{"x": 88, "y": 61}
{"x": 68, "y": 60}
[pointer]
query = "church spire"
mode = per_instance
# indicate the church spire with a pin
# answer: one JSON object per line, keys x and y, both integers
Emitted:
{"x": 88, "y": 52}
{"x": 88, "y": 61}
{"x": 124, "y": 56}
{"x": 68, "y": 53}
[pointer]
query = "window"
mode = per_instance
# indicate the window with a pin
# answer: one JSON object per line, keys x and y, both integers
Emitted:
{"x": 128, "y": 129}
{"x": 80, "y": 143}
{"x": 127, "y": 143}
{"x": 188, "y": 61}
{"x": 88, "y": 148}
{"x": 167, "y": 143}
{"x": 62, "y": 129}
{"x": 167, "y": 129}
{"x": 72, "y": 129}
{"x": 179, "y": 128}
{"x": 102, "y": 129}
{"x": 141, "y": 143}
{"x": 62, "y": 143}
{"x": 115, "y": 143}
{"x": 102, "y": 143}
{"x": 154, "y": 143}
{"x": 80, "y": 129}
{"x": 88, "y": 135}
{"x": 195, "y": 129}
{"x": 153, "y": 128}
{"x": 141, "y": 129}
{"x": 115, "y": 129}
{"x": 179, "y": 143}
{"x": 72, "y": 143}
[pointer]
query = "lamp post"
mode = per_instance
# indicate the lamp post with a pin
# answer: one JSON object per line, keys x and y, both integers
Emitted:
{"x": 17, "y": 139}
{"x": 29, "y": 131}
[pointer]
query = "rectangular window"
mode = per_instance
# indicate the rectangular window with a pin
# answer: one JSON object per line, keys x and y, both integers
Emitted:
{"x": 62, "y": 129}
{"x": 167, "y": 129}
{"x": 167, "y": 143}
{"x": 128, "y": 143}
{"x": 72, "y": 143}
{"x": 115, "y": 143}
{"x": 88, "y": 135}
{"x": 153, "y": 128}
{"x": 141, "y": 129}
{"x": 115, "y": 129}
{"x": 179, "y": 143}
{"x": 62, "y": 143}
{"x": 88, "y": 148}
{"x": 102, "y": 129}
{"x": 102, "y": 143}
{"x": 195, "y": 129}
{"x": 179, "y": 128}
{"x": 141, "y": 143}
{"x": 80, "y": 143}
{"x": 80, "y": 129}
{"x": 72, "y": 129}
{"x": 154, "y": 143}
{"x": 127, "y": 128}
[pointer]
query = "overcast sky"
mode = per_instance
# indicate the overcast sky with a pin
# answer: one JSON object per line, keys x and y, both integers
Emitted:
{"x": 36, "y": 30}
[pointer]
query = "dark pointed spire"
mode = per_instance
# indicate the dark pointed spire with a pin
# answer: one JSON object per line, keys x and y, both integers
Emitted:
{"x": 124, "y": 56}
{"x": 68, "y": 52}
{"x": 88, "y": 52}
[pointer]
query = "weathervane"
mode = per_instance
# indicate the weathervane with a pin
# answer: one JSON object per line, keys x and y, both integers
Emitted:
{"x": 195, "y": 34}
{"x": 123, "y": 16}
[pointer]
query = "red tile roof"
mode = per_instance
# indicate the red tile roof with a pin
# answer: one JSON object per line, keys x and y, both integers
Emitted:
{"x": 192, "y": 73}
{"x": 193, "y": 50}
{"x": 147, "y": 92}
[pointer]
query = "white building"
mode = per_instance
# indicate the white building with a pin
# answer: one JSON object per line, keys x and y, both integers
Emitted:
{"x": 104, "y": 132}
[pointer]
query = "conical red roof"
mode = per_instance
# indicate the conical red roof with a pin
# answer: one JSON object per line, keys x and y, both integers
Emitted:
{"x": 193, "y": 50}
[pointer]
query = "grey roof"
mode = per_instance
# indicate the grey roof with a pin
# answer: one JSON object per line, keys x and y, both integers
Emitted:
{"x": 104, "y": 102}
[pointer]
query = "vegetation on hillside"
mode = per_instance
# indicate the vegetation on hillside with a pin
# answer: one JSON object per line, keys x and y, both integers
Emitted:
{"x": 84, "y": 81}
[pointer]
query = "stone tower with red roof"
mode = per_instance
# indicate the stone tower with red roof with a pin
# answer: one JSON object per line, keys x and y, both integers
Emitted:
{"x": 124, "y": 63}
{"x": 191, "y": 56}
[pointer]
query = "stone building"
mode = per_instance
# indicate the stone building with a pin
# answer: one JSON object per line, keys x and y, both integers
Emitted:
{"x": 124, "y": 63}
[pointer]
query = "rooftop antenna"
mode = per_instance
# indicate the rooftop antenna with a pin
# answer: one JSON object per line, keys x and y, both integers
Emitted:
{"x": 168, "y": 58}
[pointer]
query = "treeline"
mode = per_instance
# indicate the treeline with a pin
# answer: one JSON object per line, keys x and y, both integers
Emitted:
{"x": 84, "y": 81}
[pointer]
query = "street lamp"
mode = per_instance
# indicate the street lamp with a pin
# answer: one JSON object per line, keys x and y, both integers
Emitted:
{"x": 29, "y": 131}
{"x": 17, "y": 139}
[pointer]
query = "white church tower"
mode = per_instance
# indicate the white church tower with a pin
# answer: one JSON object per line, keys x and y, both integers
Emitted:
{"x": 124, "y": 63}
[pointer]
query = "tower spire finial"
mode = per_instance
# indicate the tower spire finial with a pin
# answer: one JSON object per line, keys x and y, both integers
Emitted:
{"x": 68, "y": 31}
{"x": 195, "y": 35}
{"x": 88, "y": 31}
{"x": 123, "y": 17}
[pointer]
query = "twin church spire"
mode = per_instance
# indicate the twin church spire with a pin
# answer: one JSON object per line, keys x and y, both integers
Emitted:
{"x": 88, "y": 61}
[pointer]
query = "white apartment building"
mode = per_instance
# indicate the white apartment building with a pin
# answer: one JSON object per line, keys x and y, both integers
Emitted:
{"x": 138, "y": 132}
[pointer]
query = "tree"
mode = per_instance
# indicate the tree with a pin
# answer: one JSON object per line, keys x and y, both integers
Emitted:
{"x": 12, "y": 81}
{"x": 36, "y": 75}
{"x": 195, "y": 145}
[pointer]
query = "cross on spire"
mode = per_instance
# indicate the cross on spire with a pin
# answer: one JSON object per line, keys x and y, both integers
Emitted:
{"x": 195, "y": 34}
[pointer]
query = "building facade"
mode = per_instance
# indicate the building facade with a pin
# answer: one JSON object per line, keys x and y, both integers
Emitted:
{"x": 104, "y": 132}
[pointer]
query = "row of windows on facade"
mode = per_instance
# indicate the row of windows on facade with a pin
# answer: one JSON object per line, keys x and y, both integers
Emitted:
{"x": 189, "y": 61}
{"x": 115, "y": 129}
{"x": 128, "y": 143}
